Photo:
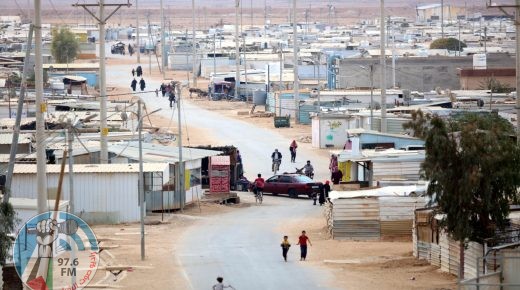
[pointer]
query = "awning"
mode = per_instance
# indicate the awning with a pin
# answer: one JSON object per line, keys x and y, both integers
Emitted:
{"x": 75, "y": 78}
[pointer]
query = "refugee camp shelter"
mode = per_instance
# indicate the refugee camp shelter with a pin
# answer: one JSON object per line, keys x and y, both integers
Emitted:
{"x": 103, "y": 193}
{"x": 373, "y": 213}
{"x": 374, "y": 166}
{"x": 492, "y": 261}
{"x": 169, "y": 197}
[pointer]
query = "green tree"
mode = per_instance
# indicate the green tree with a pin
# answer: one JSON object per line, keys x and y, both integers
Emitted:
{"x": 447, "y": 43}
{"x": 64, "y": 46}
{"x": 8, "y": 221}
{"x": 473, "y": 166}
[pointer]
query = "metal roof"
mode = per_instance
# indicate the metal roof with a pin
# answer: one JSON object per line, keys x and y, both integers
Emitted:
{"x": 7, "y": 138}
{"x": 159, "y": 153}
{"x": 93, "y": 168}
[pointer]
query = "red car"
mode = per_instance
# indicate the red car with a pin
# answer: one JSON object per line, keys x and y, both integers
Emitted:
{"x": 292, "y": 184}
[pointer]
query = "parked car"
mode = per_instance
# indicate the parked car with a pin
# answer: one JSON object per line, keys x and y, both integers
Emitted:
{"x": 118, "y": 48}
{"x": 292, "y": 185}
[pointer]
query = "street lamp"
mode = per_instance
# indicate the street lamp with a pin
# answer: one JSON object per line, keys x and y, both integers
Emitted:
{"x": 141, "y": 174}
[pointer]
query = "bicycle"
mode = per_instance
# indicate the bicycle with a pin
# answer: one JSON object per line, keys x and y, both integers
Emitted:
{"x": 259, "y": 196}
{"x": 276, "y": 165}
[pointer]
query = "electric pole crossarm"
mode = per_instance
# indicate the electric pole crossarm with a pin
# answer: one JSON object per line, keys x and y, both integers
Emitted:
{"x": 118, "y": 6}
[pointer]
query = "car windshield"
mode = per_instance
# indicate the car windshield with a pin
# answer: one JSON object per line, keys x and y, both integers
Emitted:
{"x": 303, "y": 179}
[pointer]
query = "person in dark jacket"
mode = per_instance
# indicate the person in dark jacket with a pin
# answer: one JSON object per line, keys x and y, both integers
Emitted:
{"x": 142, "y": 84}
{"x": 133, "y": 72}
{"x": 326, "y": 190}
{"x": 133, "y": 84}
{"x": 139, "y": 71}
{"x": 285, "y": 247}
{"x": 321, "y": 198}
{"x": 337, "y": 176}
{"x": 163, "y": 89}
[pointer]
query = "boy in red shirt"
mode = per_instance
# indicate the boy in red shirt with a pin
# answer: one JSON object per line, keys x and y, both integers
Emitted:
{"x": 259, "y": 184}
{"x": 302, "y": 241}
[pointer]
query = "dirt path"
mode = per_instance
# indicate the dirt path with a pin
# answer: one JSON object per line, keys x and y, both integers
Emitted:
{"x": 366, "y": 264}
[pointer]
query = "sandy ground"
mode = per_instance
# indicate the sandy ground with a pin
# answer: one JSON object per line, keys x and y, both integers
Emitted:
{"x": 160, "y": 269}
{"x": 366, "y": 265}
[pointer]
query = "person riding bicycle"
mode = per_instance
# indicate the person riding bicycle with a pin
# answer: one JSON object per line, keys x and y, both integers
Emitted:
{"x": 308, "y": 169}
{"x": 277, "y": 158}
{"x": 258, "y": 184}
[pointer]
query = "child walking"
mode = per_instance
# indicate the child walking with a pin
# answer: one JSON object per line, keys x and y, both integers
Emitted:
{"x": 285, "y": 247}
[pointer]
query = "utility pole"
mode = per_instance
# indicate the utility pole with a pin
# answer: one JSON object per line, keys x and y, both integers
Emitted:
{"x": 371, "y": 97}
{"x": 295, "y": 65}
{"x": 281, "y": 81}
{"x": 237, "y": 51}
{"x": 442, "y": 18}
{"x": 137, "y": 43}
{"x": 214, "y": 54}
{"x": 163, "y": 43}
{"x": 41, "y": 108}
{"x": 70, "y": 139}
{"x": 383, "y": 69}
{"x": 182, "y": 191}
{"x": 102, "y": 69}
{"x": 149, "y": 39}
{"x": 18, "y": 118}
{"x": 142, "y": 201}
{"x": 517, "y": 58}
{"x": 194, "y": 57}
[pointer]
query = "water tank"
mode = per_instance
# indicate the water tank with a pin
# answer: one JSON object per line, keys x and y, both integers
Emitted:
{"x": 259, "y": 97}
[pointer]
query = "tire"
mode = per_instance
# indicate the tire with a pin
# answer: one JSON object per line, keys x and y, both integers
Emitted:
{"x": 292, "y": 193}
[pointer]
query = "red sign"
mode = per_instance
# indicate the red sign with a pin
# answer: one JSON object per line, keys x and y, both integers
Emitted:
{"x": 219, "y": 173}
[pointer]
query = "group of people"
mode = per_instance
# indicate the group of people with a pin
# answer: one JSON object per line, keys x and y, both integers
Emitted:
{"x": 323, "y": 194}
{"x": 303, "y": 240}
{"x": 169, "y": 92}
{"x": 142, "y": 83}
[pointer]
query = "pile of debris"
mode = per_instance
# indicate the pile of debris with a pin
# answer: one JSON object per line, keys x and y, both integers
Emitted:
{"x": 305, "y": 139}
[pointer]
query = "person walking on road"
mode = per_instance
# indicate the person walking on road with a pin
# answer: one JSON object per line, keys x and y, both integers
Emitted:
{"x": 285, "y": 247}
{"x": 133, "y": 72}
{"x": 321, "y": 198}
{"x": 133, "y": 85}
{"x": 292, "y": 148}
{"x": 171, "y": 97}
{"x": 220, "y": 284}
{"x": 142, "y": 84}
{"x": 163, "y": 89}
{"x": 326, "y": 190}
{"x": 139, "y": 71}
{"x": 302, "y": 241}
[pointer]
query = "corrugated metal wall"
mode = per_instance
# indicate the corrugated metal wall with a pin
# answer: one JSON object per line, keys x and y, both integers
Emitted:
{"x": 396, "y": 170}
{"x": 375, "y": 217}
{"x": 270, "y": 103}
{"x": 98, "y": 198}
{"x": 395, "y": 126}
{"x": 444, "y": 243}
{"x": 305, "y": 110}
{"x": 397, "y": 214}
{"x": 356, "y": 219}
{"x": 472, "y": 254}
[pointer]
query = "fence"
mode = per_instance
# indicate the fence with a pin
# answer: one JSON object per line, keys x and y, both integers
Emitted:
{"x": 505, "y": 276}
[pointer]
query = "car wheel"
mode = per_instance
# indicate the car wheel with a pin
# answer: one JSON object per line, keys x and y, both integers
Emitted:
{"x": 292, "y": 193}
{"x": 274, "y": 194}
